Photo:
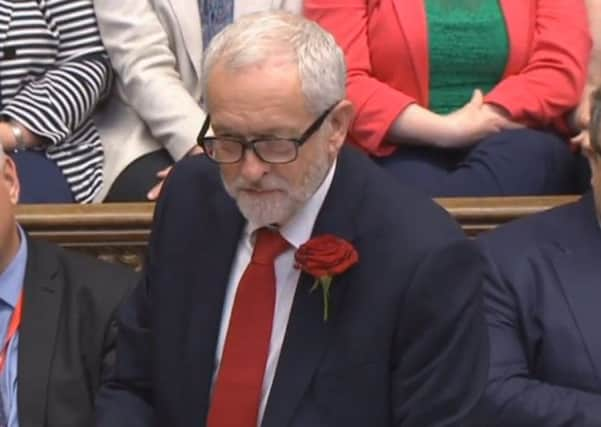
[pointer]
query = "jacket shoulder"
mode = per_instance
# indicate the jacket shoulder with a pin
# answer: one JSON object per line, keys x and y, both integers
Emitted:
{"x": 532, "y": 231}
{"x": 107, "y": 282}
{"x": 390, "y": 207}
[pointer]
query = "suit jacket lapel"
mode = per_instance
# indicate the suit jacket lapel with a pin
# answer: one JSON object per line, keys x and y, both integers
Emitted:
{"x": 307, "y": 333}
{"x": 187, "y": 14}
{"x": 42, "y": 291}
{"x": 576, "y": 262}
{"x": 207, "y": 279}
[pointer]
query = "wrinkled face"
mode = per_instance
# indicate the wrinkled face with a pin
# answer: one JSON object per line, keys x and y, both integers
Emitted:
{"x": 266, "y": 101}
{"x": 9, "y": 196}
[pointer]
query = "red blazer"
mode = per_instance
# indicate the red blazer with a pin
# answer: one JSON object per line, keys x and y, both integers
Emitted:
{"x": 386, "y": 48}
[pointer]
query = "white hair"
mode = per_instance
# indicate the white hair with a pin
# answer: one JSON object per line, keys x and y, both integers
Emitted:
{"x": 2, "y": 156}
{"x": 254, "y": 38}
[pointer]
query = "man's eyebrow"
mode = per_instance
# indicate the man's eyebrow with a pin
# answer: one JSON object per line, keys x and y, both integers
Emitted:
{"x": 275, "y": 132}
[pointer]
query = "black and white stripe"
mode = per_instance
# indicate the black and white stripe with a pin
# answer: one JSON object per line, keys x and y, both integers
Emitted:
{"x": 53, "y": 72}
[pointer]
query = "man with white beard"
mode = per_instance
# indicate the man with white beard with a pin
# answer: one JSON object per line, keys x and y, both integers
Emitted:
{"x": 289, "y": 281}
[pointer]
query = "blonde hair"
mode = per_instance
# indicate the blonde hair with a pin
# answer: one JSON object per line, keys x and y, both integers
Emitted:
{"x": 253, "y": 38}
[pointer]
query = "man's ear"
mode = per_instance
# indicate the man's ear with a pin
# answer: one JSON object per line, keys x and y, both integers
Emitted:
{"x": 340, "y": 123}
{"x": 10, "y": 179}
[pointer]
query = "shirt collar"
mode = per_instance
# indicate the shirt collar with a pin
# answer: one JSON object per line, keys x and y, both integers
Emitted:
{"x": 298, "y": 229}
{"x": 11, "y": 279}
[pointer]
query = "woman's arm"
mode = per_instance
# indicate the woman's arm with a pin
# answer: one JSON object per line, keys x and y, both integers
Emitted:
{"x": 463, "y": 127}
{"x": 146, "y": 68}
{"x": 377, "y": 104}
{"x": 594, "y": 68}
{"x": 50, "y": 108}
{"x": 580, "y": 118}
{"x": 551, "y": 82}
{"x": 385, "y": 116}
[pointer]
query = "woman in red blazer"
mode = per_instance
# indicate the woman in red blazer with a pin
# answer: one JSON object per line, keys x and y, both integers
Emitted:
{"x": 488, "y": 145}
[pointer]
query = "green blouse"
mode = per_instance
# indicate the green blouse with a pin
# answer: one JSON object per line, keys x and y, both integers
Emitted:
{"x": 468, "y": 45}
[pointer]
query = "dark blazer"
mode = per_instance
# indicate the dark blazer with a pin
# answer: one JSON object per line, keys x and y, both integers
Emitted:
{"x": 67, "y": 334}
{"x": 543, "y": 306}
{"x": 405, "y": 343}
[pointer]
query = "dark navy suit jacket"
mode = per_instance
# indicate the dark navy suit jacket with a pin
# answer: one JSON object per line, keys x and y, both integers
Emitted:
{"x": 543, "y": 306}
{"x": 405, "y": 344}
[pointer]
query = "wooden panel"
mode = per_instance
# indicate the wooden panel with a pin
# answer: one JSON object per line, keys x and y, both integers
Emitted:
{"x": 119, "y": 231}
{"x": 114, "y": 232}
{"x": 480, "y": 214}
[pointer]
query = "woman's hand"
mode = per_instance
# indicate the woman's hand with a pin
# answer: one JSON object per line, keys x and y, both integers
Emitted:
{"x": 8, "y": 139}
{"x": 475, "y": 121}
{"x": 155, "y": 191}
{"x": 461, "y": 128}
{"x": 580, "y": 120}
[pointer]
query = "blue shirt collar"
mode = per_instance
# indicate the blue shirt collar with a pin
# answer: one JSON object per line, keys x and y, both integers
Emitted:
{"x": 11, "y": 279}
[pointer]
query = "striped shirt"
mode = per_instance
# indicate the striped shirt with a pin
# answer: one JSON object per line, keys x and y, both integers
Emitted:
{"x": 53, "y": 72}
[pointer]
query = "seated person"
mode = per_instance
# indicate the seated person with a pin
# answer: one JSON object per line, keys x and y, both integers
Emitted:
{"x": 224, "y": 329}
{"x": 154, "y": 114}
{"x": 581, "y": 115}
{"x": 56, "y": 323}
{"x": 542, "y": 305}
{"x": 54, "y": 73}
{"x": 457, "y": 97}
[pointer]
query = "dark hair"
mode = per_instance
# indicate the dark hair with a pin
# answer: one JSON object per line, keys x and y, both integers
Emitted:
{"x": 595, "y": 123}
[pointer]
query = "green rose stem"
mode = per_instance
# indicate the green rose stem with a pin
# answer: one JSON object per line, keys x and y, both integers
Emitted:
{"x": 325, "y": 282}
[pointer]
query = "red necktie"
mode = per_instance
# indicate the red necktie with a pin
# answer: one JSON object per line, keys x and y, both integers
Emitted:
{"x": 237, "y": 391}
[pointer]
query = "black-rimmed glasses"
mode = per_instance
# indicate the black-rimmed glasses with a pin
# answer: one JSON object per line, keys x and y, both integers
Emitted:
{"x": 225, "y": 149}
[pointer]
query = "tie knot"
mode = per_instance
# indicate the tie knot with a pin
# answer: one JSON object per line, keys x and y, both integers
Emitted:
{"x": 268, "y": 245}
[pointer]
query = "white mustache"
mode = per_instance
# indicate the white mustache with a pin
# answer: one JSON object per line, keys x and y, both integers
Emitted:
{"x": 267, "y": 184}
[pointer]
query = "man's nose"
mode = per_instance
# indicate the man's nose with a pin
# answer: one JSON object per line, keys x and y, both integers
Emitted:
{"x": 252, "y": 167}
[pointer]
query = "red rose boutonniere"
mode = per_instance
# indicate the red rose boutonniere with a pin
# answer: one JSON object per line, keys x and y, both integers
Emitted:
{"x": 324, "y": 257}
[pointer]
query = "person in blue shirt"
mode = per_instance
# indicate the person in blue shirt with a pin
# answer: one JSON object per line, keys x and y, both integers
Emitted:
{"x": 56, "y": 322}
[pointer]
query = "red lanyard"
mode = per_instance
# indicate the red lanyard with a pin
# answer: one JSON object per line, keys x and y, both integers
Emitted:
{"x": 13, "y": 327}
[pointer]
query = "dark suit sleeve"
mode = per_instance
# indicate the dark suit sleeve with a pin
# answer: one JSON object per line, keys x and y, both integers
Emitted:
{"x": 118, "y": 284}
{"x": 513, "y": 396}
{"x": 109, "y": 346}
{"x": 125, "y": 397}
{"x": 441, "y": 340}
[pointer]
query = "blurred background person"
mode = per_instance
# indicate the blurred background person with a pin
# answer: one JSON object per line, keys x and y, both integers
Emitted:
{"x": 54, "y": 72}
{"x": 581, "y": 115}
{"x": 541, "y": 304}
{"x": 56, "y": 322}
{"x": 155, "y": 113}
{"x": 464, "y": 97}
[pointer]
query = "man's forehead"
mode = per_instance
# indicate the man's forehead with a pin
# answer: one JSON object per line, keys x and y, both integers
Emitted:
{"x": 263, "y": 100}
{"x": 264, "y": 129}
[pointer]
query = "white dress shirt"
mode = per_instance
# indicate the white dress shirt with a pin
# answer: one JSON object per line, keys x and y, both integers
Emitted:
{"x": 296, "y": 232}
